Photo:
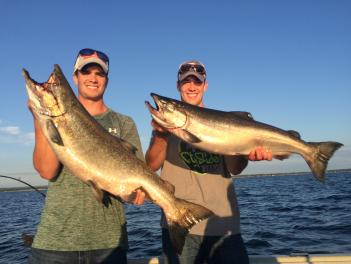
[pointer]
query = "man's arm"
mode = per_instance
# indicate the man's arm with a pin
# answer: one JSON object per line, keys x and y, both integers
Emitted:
{"x": 44, "y": 158}
{"x": 156, "y": 153}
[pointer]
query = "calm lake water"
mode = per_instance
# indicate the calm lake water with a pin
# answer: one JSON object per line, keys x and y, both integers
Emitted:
{"x": 279, "y": 215}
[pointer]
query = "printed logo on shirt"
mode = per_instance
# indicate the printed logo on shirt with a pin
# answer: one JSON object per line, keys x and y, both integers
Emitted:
{"x": 199, "y": 160}
{"x": 113, "y": 130}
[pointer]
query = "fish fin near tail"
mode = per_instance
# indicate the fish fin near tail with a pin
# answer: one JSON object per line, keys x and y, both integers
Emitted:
{"x": 319, "y": 161}
{"x": 97, "y": 192}
{"x": 189, "y": 215}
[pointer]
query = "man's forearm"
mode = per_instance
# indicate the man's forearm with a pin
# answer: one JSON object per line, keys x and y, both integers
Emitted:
{"x": 44, "y": 158}
{"x": 156, "y": 153}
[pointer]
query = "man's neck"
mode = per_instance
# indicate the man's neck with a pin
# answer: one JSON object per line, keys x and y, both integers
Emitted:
{"x": 94, "y": 108}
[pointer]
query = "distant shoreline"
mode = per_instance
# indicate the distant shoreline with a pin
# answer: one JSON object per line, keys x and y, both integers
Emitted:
{"x": 285, "y": 173}
{"x": 45, "y": 187}
{"x": 24, "y": 189}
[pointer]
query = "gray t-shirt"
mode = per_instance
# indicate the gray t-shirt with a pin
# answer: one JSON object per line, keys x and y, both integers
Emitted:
{"x": 72, "y": 218}
{"x": 200, "y": 177}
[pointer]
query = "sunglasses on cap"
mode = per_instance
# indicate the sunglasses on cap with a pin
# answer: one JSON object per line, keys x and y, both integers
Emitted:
{"x": 91, "y": 52}
{"x": 192, "y": 66}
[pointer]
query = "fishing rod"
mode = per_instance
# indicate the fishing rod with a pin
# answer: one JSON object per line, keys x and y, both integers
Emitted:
{"x": 31, "y": 186}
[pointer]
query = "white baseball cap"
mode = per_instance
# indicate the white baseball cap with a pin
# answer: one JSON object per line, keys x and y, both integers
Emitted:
{"x": 88, "y": 56}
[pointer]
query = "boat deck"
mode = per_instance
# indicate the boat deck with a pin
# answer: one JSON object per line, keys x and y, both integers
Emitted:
{"x": 279, "y": 259}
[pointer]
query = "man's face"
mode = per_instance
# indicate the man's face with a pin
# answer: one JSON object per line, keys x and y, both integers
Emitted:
{"x": 91, "y": 82}
{"x": 192, "y": 91}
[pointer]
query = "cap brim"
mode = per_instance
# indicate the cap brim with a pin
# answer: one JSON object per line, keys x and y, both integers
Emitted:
{"x": 199, "y": 76}
{"x": 90, "y": 60}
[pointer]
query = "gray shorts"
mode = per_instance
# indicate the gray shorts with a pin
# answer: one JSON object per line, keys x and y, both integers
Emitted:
{"x": 206, "y": 249}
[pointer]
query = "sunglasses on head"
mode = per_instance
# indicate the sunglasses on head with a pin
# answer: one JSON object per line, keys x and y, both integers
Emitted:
{"x": 192, "y": 67}
{"x": 90, "y": 52}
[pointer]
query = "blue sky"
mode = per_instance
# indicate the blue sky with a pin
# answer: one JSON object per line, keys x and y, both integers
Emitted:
{"x": 286, "y": 62}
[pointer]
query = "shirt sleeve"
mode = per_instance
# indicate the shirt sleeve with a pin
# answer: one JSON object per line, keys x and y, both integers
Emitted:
{"x": 129, "y": 133}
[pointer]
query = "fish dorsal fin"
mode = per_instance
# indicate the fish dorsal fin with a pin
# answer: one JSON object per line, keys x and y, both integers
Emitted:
{"x": 294, "y": 133}
{"x": 128, "y": 146}
{"x": 189, "y": 137}
{"x": 242, "y": 114}
{"x": 53, "y": 133}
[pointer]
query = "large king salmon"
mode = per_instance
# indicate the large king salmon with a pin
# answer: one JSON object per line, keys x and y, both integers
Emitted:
{"x": 236, "y": 133}
{"x": 101, "y": 160}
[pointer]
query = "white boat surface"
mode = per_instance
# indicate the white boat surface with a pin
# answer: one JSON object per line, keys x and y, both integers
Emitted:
{"x": 300, "y": 258}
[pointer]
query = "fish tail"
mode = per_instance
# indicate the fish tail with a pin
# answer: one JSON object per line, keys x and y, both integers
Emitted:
{"x": 319, "y": 161}
{"x": 189, "y": 215}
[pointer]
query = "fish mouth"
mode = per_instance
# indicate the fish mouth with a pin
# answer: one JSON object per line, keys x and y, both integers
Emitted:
{"x": 42, "y": 97}
{"x": 154, "y": 111}
{"x": 158, "y": 112}
{"x": 160, "y": 106}
{"x": 36, "y": 86}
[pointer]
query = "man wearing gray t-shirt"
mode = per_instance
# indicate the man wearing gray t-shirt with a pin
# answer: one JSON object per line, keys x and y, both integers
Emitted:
{"x": 202, "y": 178}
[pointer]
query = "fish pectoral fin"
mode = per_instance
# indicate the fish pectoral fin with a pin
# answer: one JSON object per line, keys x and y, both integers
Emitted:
{"x": 189, "y": 137}
{"x": 97, "y": 192}
{"x": 53, "y": 133}
{"x": 128, "y": 146}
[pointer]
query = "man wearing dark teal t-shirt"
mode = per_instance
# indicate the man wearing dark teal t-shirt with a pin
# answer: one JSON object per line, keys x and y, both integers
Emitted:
{"x": 74, "y": 226}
